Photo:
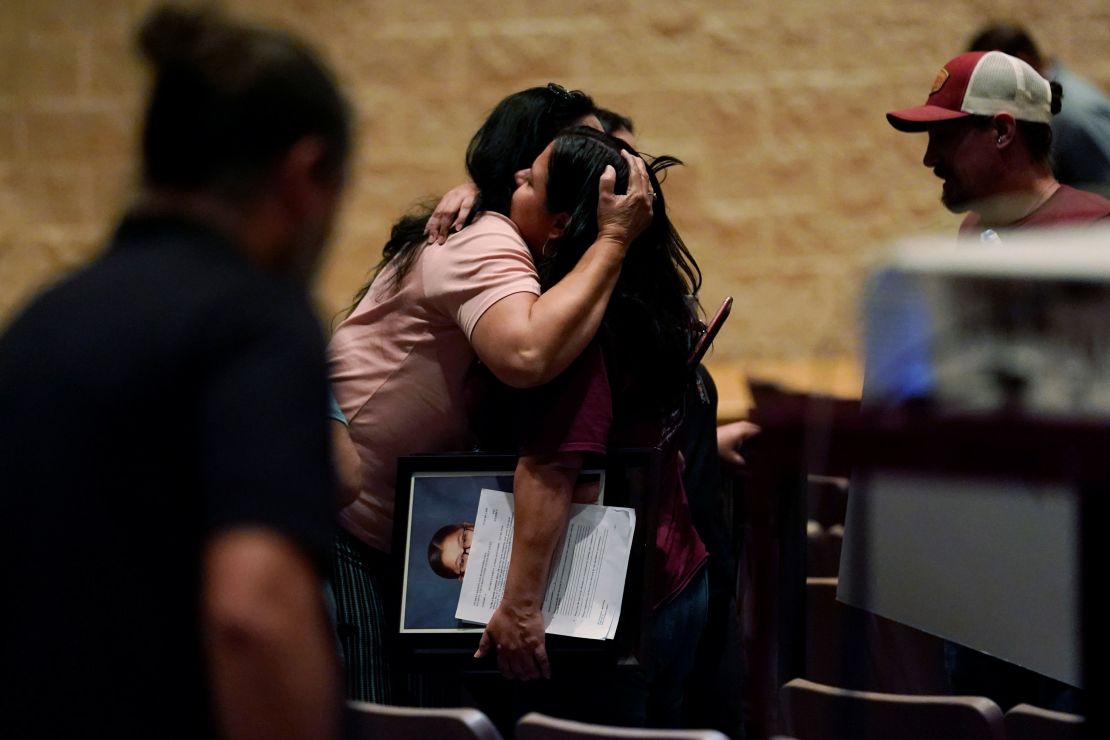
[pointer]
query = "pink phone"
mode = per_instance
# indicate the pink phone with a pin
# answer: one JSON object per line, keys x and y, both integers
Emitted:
{"x": 711, "y": 330}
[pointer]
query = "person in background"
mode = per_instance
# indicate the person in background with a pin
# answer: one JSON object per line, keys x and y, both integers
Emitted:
{"x": 617, "y": 126}
{"x": 1081, "y": 130}
{"x": 987, "y": 117}
{"x": 161, "y": 566}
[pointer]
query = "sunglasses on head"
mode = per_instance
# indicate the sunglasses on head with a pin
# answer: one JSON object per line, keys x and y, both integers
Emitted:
{"x": 562, "y": 93}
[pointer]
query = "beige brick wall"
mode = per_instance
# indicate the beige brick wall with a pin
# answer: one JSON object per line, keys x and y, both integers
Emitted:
{"x": 793, "y": 185}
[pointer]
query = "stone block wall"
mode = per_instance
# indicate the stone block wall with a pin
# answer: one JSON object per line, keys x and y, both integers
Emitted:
{"x": 793, "y": 181}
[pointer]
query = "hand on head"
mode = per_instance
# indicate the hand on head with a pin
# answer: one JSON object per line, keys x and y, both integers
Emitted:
{"x": 624, "y": 217}
{"x": 451, "y": 212}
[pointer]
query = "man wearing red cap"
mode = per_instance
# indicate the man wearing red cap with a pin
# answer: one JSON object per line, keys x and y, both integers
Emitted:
{"x": 987, "y": 117}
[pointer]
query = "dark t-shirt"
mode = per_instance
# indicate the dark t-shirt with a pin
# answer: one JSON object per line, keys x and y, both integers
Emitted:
{"x": 165, "y": 393}
{"x": 1066, "y": 207}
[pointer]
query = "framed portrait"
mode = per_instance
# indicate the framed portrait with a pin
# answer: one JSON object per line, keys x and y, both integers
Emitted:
{"x": 437, "y": 499}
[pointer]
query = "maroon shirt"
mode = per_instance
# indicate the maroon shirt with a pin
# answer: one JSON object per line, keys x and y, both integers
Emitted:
{"x": 576, "y": 413}
{"x": 1066, "y": 207}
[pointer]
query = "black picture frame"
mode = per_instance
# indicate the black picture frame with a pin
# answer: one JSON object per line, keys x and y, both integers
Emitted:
{"x": 425, "y": 486}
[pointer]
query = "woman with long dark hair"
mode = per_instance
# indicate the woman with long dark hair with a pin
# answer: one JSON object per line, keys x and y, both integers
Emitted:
{"x": 625, "y": 390}
{"x": 399, "y": 361}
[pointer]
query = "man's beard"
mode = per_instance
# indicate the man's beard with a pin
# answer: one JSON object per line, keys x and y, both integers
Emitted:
{"x": 953, "y": 200}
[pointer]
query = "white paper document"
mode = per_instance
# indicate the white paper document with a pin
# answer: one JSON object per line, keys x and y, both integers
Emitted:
{"x": 586, "y": 579}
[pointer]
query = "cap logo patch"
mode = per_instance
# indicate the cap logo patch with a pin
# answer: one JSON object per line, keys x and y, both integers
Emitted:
{"x": 938, "y": 83}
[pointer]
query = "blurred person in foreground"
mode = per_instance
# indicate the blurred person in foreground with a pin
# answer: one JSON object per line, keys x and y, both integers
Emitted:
{"x": 1081, "y": 130}
{"x": 168, "y": 498}
{"x": 988, "y": 118}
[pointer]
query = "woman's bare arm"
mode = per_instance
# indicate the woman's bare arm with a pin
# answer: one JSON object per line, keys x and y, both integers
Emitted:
{"x": 527, "y": 340}
{"x": 542, "y": 490}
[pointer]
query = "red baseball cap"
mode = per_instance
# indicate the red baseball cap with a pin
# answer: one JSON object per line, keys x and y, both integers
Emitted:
{"x": 980, "y": 83}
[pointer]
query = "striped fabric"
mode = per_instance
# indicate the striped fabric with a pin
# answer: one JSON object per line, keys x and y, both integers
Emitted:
{"x": 359, "y": 579}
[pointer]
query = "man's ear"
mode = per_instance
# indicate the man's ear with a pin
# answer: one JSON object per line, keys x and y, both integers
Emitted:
{"x": 1005, "y": 129}
{"x": 559, "y": 225}
{"x": 298, "y": 175}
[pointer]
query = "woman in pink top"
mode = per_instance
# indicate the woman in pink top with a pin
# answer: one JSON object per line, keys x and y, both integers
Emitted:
{"x": 399, "y": 361}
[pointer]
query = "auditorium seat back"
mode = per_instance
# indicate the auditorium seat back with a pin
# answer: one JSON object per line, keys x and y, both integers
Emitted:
{"x": 1027, "y": 722}
{"x": 536, "y": 726}
{"x": 814, "y": 711}
{"x": 372, "y": 721}
{"x": 854, "y": 649}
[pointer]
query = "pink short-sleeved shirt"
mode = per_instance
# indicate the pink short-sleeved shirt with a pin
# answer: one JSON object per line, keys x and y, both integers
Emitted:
{"x": 398, "y": 364}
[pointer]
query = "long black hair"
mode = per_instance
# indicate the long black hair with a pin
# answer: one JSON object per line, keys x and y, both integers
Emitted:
{"x": 513, "y": 135}
{"x": 649, "y": 326}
